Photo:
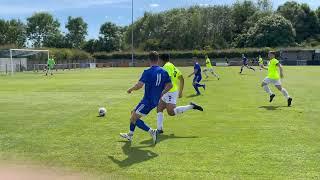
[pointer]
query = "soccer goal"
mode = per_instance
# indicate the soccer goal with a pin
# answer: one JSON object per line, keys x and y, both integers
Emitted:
{"x": 19, "y": 60}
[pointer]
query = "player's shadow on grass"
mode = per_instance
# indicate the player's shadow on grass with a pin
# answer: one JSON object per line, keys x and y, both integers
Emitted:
{"x": 135, "y": 155}
{"x": 271, "y": 108}
{"x": 192, "y": 96}
{"x": 164, "y": 137}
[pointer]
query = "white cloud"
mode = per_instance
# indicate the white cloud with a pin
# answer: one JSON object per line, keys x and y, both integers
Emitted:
{"x": 204, "y": 5}
{"x": 154, "y": 5}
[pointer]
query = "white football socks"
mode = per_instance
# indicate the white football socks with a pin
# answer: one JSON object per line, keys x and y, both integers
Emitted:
{"x": 285, "y": 93}
{"x": 182, "y": 109}
{"x": 215, "y": 74}
{"x": 205, "y": 73}
{"x": 267, "y": 89}
{"x": 160, "y": 120}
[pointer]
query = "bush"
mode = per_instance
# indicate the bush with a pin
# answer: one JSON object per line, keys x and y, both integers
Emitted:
{"x": 70, "y": 54}
{"x": 272, "y": 31}
{"x": 151, "y": 44}
{"x": 229, "y": 53}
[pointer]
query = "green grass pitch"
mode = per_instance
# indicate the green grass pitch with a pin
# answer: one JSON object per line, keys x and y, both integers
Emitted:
{"x": 240, "y": 135}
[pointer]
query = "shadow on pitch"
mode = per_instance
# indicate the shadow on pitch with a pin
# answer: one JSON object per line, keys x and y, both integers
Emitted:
{"x": 271, "y": 108}
{"x": 192, "y": 96}
{"x": 164, "y": 137}
{"x": 135, "y": 155}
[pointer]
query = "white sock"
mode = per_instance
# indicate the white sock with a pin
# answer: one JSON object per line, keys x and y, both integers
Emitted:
{"x": 131, "y": 133}
{"x": 285, "y": 93}
{"x": 215, "y": 74}
{"x": 205, "y": 73}
{"x": 267, "y": 89}
{"x": 182, "y": 109}
{"x": 160, "y": 120}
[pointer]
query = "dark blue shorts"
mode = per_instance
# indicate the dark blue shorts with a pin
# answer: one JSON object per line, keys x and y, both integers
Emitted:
{"x": 143, "y": 109}
{"x": 197, "y": 79}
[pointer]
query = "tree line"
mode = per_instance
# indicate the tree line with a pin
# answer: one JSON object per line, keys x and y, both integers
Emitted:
{"x": 243, "y": 24}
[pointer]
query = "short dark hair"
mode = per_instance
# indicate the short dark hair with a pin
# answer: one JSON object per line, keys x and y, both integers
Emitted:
{"x": 272, "y": 52}
{"x": 153, "y": 56}
{"x": 165, "y": 57}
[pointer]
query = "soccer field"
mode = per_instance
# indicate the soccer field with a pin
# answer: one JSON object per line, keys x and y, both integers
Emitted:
{"x": 53, "y": 121}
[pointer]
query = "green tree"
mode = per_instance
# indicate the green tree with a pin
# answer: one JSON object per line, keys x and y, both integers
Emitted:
{"x": 265, "y": 5}
{"x": 16, "y": 33}
{"x": 241, "y": 12}
{"x": 318, "y": 12}
{"x": 78, "y": 29}
{"x": 57, "y": 40}
{"x": 303, "y": 19}
{"x": 192, "y": 28}
{"x": 256, "y": 17}
{"x": 270, "y": 31}
{"x": 110, "y": 36}
{"x": 12, "y": 32}
{"x": 41, "y": 27}
{"x": 93, "y": 45}
{"x": 151, "y": 44}
{"x": 3, "y": 31}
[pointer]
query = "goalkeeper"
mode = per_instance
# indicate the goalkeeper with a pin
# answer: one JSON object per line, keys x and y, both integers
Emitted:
{"x": 50, "y": 65}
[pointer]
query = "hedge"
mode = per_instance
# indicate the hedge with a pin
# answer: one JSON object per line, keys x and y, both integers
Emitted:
{"x": 70, "y": 54}
{"x": 229, "y": 53}
{"x": 59, "y": 53}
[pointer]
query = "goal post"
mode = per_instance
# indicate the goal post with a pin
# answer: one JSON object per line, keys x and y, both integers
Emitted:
{"x": 19, "y": 57}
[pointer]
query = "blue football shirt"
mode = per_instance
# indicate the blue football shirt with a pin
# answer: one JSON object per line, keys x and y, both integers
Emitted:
{"x": 155, "y": 78}
{"x": 244, "y": 60}
{"x": 197, "y": 67}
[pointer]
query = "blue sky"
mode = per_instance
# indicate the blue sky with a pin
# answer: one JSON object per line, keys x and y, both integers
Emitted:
{"x": 96, "y": 12}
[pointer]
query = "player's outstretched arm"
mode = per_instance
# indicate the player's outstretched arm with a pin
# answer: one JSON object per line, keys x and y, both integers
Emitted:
{"x": 281, "y": 70}
{"x": 181, "y": 79}
{"x": 194, "y": 72}
{"x": 263, "y": 67}
{"x": 136, "y": 87}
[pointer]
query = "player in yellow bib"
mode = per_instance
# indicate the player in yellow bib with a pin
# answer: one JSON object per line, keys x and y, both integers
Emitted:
{"x": 274, "y": 78}
{"x": 209, "y": 68}
{"x": 169, "y": 100}
{"x": 260, "y": 62}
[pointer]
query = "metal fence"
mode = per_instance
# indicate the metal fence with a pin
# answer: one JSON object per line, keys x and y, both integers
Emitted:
{"x": 6, "y": 68}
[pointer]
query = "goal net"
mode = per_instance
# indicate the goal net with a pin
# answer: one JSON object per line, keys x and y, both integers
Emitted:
{"x": 19, "y": 60}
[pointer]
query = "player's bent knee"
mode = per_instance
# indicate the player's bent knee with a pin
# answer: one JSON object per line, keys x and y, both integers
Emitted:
{"x": 161, "y": 106}
{"x": 134, "y": 117}
{"x": 279, "y": 87}
{"x": 159, "y": 109}
{"x": 170, "y": 109}
{"x": 171, "y": 112}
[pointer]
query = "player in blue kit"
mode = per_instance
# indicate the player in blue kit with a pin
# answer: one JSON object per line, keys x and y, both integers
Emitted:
{"x": 245, "y": 63}
{"x": 157, "y": 83}
{"x": 197, "y": 76}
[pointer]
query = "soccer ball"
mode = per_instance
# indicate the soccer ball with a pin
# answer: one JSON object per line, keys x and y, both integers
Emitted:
{"x": 102, "y": 111}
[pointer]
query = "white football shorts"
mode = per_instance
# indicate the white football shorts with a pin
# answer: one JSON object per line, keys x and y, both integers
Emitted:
{"x": 170, "y": 97}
